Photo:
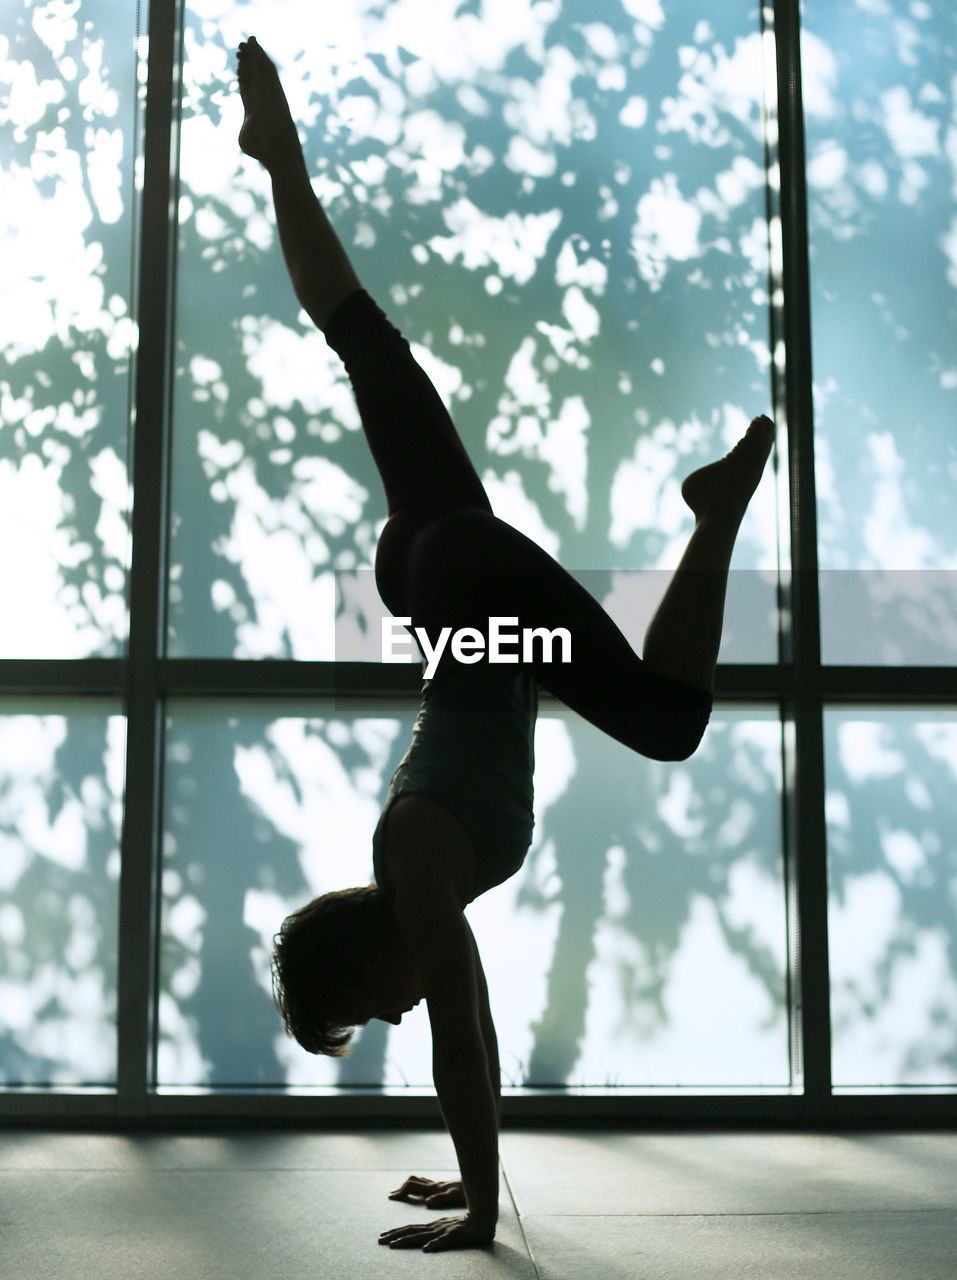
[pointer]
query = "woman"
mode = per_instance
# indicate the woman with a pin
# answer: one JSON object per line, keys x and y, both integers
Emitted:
{"x": 458, "y": 818}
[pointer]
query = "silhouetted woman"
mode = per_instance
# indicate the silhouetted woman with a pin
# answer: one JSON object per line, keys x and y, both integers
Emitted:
{"x": 458, "y": 815}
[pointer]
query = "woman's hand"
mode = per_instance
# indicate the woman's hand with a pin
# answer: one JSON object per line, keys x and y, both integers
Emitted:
{"x": 441, "y": 1233}
{"x": 434, "y": 1195}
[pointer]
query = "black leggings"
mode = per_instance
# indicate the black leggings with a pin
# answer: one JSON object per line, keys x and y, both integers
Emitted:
{"x": 444, "y": 559}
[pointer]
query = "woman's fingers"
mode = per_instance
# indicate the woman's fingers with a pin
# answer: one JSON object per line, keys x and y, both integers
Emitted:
{"x": 413, "y": 1186}
{"x": 418, "y": 1188}
{"x": 452, "y": 1197}
{"x": 414, "y": 1241}
{"x": 413, "y": 1236}
{"x": 434, "y": 1195}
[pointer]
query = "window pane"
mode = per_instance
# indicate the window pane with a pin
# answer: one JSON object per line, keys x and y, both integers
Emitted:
{"x": 68, "y": 107}
{"x": 263, "y": 811}
{"x": 892, "y": 874}
{"x": 61, "y": 797}
{"x": 880, "y": 92}
{"x": 645, "y": 932}
{"x": 567, "y": 219}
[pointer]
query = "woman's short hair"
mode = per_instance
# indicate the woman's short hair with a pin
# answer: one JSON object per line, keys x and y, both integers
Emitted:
{"x": 321, "y": 961}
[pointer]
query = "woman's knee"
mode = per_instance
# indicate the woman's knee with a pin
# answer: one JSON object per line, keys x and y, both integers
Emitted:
{"x": 683, "y": 732}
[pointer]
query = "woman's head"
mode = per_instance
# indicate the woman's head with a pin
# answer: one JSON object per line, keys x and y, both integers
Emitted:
{"x": 337, "y": 962}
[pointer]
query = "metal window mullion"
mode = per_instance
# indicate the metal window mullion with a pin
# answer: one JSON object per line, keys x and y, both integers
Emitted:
{"x": 140, "y": 852}
{"x": 62, "y": 677}
{"x": 522, "y": 1108}
{"x": 356, "y": 682}
{"x": 212, "y": 677}
{"x": 805, "y": 831}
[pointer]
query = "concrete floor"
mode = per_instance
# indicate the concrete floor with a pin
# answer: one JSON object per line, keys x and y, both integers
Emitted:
{"x": 575, "y": 1205}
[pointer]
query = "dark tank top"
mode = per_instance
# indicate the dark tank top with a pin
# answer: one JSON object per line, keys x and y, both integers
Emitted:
{"x": 473, "y": 752}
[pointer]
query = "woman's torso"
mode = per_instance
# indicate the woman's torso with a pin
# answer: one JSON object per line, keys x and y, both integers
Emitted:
{"x": 472, "y": 755}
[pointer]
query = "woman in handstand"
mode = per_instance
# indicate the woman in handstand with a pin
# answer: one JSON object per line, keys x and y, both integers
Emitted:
{"x": 458, "y": 816}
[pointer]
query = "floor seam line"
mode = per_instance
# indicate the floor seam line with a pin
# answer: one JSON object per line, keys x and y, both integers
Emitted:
{"x": 757, "y": 1213}
{"x": 521, "y": 1224}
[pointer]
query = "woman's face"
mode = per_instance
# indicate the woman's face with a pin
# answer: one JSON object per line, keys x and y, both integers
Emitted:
{"x": 395, "y": 985}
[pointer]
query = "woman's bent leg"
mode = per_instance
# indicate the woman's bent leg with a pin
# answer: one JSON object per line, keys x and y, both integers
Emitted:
{"x": 684, "y": 636}
{"x": 466, "y": 567}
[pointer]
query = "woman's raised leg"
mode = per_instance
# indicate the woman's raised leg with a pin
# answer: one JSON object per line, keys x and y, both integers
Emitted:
{"x": 319, "y": 267}
{"x": 424, "y": 466}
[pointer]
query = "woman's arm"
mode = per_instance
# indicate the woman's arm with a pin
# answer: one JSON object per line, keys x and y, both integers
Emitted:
{"x": 460, "y": 1065}
{"x": 433, "y": 925}
{"x": 468, "y": 1106}
{"x": 488, "y": 1033}
{"x": 450, "y": 1194}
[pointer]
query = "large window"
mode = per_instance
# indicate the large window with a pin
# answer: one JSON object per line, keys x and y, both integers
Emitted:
{"x": 881, "y": 116}
{"x": 583, "y": 219}
{"x": 891, "y": 867}
{"x": 643, "y": 942}
{"x": 880, "y": 91}
{"x": 68, "y": 108}
{"x": 566, "y": 217}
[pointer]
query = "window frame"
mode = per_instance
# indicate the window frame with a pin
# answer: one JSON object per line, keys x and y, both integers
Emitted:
{"x": 799, "y": 685}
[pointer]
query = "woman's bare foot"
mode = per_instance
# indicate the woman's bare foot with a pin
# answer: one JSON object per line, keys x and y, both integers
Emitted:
{"x": 269, "y": 132}
{"x": 729, "y": 483}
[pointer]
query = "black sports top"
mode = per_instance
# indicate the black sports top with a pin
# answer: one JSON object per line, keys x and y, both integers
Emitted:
{"x": 473, "y": 752}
